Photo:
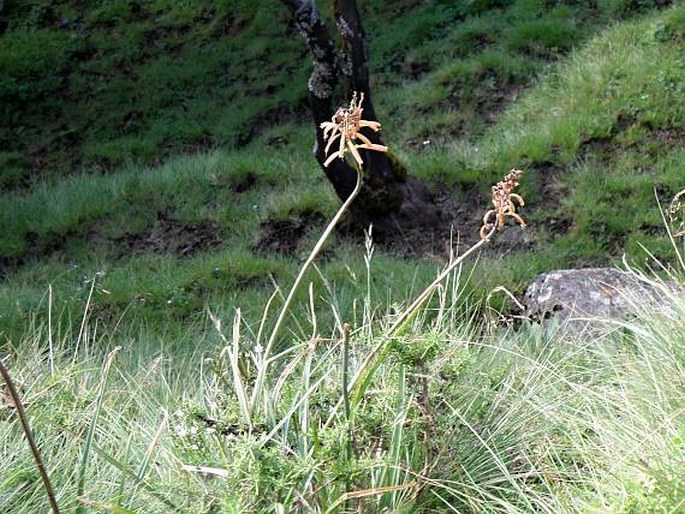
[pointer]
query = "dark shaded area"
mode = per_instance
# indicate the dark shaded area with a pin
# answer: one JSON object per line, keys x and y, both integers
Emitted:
{"x": 461, "y": 215}
{"x": 650, "y": 140}
{"x": 244, "y": 183}
{"x": 37, "y": 248}
{"x": 95, "y": 86}
{"x": 492, "y": 102}
{"x": 282, "y": 236}
{"x": 166, "y": 236}
{"x": 171, "y": 237}
{"x": 549, "y": 196}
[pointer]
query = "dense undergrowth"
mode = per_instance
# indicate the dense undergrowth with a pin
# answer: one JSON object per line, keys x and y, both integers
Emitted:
{"x": 116, "y": 232}
{"x": 458, "y": 416}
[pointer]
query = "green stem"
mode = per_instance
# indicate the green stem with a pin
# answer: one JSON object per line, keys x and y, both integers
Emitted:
{"x": 345, "y": 380}
{"x": 284, "y": 310}
{"x": 365, "y": 372}
{"x": 346, "y": 403}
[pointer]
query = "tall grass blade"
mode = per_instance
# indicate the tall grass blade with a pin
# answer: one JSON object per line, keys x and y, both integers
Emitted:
{"x": 142, "y": 469}
{"x": 84, "y": 319}
{"x": 23, "y": 419}
{"x": 232, "y": 349}
{"x": 390, "y": 474}
{"x": 109, "y": 507}
{"x": 124, "y": 469}
{"x": 51, "y": 349}
{"x": 286, "y": 417}
{"x": 83, "y": 469}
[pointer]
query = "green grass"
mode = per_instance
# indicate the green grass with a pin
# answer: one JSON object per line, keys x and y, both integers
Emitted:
{"x": 598, "y": 132}
{"x": 458, "y": 417}
{"x": 144, "y": 156}
{"x": 93, "y": 87}
{"x": 118, "y": 82}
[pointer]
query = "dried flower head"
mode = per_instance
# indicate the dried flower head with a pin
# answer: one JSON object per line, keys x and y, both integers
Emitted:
{"x": 504, "y": 202}
{"x": 345, "y": 127}
{"x": 676, "y": 210}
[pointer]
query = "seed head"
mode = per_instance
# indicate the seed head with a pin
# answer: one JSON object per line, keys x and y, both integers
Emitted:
{"x": 504, "y": 202}
{"x": 674, "y": 210}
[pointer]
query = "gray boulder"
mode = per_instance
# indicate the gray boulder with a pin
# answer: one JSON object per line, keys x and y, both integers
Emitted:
{"x": 564, "y": 296}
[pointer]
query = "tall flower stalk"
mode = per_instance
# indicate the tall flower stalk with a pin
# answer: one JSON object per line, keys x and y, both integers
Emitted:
{"x": 258, "y": 400}
{"x": 504, "y": 202}
{"x": 345, "y": 128}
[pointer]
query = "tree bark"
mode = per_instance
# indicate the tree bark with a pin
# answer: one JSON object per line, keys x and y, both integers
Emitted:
{"x": 390, "y": 199}
{"x": 3, "y": 18}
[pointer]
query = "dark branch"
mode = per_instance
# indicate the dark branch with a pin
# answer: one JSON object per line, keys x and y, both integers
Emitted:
{"x": 389, "y": 199}
{"x": 356, "y": 68}
{"x": 322, "y": 83}
{"x": 23, "y": 419}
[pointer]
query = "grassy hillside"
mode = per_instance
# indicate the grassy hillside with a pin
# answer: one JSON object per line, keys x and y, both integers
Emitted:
{"x": 94, "y": 87}
{"x": 134, "y": 83}
{"x": 155, "y": 165}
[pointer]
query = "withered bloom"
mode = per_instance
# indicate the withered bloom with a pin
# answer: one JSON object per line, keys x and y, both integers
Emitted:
{"x": 344, "y": 127}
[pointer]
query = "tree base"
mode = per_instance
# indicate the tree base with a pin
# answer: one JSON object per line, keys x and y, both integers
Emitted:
{"x": 417, "y": 212}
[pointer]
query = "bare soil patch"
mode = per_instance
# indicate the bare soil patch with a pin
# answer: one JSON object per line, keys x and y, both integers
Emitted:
{"x": 490, "y": 104}
{"x": 551, "y": 191}
{"x": 282, "y": 113}
{"x": 171, "y": 237}
{"x": 462, "y": 212}
{"x": 461, "y": 216}
{"x": 244, "y": 183}
{"x": 283, "y": 236}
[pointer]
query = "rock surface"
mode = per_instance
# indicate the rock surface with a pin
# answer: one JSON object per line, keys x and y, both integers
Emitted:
{"x": 607, "y": 293}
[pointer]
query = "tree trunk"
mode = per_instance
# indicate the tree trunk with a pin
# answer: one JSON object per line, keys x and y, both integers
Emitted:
{"x": 3, "y": 18}
{"x": 394, "y": 202}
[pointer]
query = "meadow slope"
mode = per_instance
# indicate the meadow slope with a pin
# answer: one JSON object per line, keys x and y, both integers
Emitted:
{"x": 159, "y": 196}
